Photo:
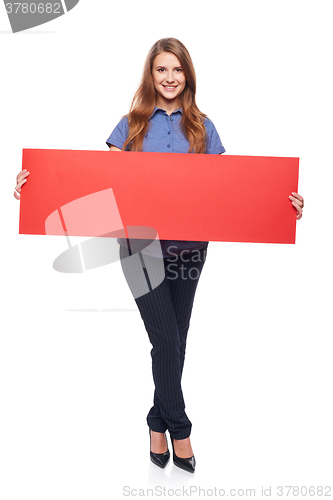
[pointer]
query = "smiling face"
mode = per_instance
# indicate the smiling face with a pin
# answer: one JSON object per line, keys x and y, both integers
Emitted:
{"x": 169, "y": 80}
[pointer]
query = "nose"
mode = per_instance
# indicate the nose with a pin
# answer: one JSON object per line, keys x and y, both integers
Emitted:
{"x": 169, "y": 77}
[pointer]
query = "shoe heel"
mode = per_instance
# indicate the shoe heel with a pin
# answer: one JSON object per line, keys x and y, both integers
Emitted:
{"x": 159, "y": 459}
{"x": 187, "y": 464}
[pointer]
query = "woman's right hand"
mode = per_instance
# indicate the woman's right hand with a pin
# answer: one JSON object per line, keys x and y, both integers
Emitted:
{"x": 20, "y": 180}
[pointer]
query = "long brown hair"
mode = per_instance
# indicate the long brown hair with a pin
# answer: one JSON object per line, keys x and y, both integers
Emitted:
{"x": 144, "y": 101}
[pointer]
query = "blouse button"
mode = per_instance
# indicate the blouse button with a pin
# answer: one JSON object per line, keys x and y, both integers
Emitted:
{"x": 146, "y": 135}
{"x": 169, "y": 132}
{"x": 171, "y": 119}
{"x": 168, "y": 145}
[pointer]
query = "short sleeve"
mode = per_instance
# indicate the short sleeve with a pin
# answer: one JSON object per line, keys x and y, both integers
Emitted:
{"x": 214, "y": 144}
{"x": 119, "y": 134}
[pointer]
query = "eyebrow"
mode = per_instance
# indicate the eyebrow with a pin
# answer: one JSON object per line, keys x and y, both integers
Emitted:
{"x": 176, "y": 67}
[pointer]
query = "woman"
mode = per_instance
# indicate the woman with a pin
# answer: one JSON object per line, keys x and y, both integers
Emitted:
{"x": 164, "y": 117}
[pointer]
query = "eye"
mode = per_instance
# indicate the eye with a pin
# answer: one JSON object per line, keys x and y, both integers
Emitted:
{"x": 161, "y": 69}
{"x": 179, "y": 69}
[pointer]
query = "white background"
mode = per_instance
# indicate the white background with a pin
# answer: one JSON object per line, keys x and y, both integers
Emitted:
{"x": 76, "y": 385}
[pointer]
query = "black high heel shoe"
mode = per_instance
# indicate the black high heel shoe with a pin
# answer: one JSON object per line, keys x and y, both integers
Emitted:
{"x": 187, "y": 464}
{"x": 160, "y": 459}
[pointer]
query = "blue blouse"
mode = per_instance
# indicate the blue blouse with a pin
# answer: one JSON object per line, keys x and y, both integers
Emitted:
{"x": 164, "y": 135}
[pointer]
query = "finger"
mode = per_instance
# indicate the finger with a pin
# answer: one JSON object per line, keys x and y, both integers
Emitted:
{"x": 297, "y": 200}
{"x": 297, "y": 206}
{"x": 298, "y": 209}
{"x": 22, "y": 175}
{"x": 19, "y": 185}
{"x": 299, "y": 197}
{"x": 17, "y": 196}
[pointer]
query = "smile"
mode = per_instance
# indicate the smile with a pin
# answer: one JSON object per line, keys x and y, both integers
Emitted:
{"x": 169, "y": 88}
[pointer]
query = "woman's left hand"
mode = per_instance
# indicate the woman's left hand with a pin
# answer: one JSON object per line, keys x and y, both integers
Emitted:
{"x": 298, "y": 201}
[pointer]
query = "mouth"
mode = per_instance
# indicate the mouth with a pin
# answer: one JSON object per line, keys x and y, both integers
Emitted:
{"x": 170, "y": 88}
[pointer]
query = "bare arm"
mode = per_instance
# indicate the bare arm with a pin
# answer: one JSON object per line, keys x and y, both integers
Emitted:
{"x": 113, "y": 148}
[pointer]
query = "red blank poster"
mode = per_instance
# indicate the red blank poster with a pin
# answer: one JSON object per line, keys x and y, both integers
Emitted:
{"x": 194, "y": 197}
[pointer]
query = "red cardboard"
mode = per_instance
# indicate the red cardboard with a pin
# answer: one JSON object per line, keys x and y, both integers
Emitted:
{"x": 193, "y": 197}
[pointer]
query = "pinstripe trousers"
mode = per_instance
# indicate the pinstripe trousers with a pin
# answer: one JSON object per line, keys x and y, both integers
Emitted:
{"x": 166, "y": 312}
